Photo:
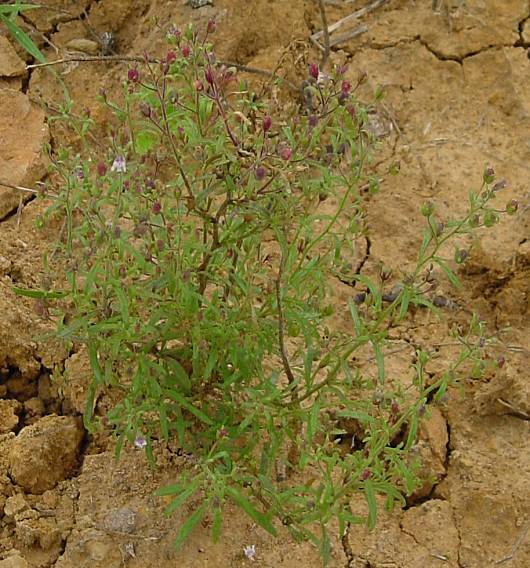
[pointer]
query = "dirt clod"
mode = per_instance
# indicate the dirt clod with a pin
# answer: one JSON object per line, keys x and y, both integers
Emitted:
{"x": 45, "y": 453}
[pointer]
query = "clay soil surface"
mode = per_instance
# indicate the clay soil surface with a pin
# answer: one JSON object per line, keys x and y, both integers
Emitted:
{"x": 456, "y": 77}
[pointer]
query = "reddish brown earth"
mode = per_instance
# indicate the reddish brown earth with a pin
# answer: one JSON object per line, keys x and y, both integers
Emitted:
{"x": 457, "y": 85}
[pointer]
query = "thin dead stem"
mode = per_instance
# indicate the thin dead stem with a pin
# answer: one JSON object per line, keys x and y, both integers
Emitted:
{"x": 324, "y": 18}
{"x": 281, "y": 325}
{"x": 141, "y": 59}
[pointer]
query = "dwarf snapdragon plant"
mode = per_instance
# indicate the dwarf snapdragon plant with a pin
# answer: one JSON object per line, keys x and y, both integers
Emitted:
{"x": 201, "y": 246}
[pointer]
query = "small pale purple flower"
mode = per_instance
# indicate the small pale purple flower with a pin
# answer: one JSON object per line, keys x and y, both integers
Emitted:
{"x": 250, "y": 552}
{"x": 140, "y": 442}
{"x": 119, "y": 165}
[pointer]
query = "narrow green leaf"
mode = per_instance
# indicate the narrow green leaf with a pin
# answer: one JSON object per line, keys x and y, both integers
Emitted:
{"x": 179, "y": 500}
{"x": 313, "y": 421}
{"x": 369, "y": 493}
{"x": 188, "y": 406}
{"x": 380, "y": 361}
{"x": 355, "y": 317}
{"x": 216, "y": 524}
{"x": 405, "y": 299}
{"x": 23, "y": 39}
{"x": 413, "y": 430}
{"x": 187, "y": 527}
{"x": 39, "y": 293}
{"x": 261, "y": 519}
{"x": 123, "y": 302}
{"x": 164, "y": 424}
{"x": 15, "y": 8}
{"x": 451, "y": 276}
{"x": 374, "y": 291}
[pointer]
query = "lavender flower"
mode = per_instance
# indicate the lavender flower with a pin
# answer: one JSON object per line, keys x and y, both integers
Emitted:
{"x": 140, "y": 442}
{"x": 119, "y": 165}
{"x": 250, "y": 552}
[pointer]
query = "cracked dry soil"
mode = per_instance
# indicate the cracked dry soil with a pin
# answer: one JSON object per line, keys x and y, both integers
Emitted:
{"x": 457, "y": 86}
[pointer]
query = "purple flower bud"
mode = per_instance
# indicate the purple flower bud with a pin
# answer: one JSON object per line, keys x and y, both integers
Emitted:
{"x": 352, "y": 111}
{"x": 160, "y": 245}
{"x": 186, "y": 51}
{"x": 267, "y": 123}
{"x": 286, "y": 153}
{"x": 501, "y": 361}
{"x": 260, "y": 173}
{"x": 359, "y": 298}
{"x": 512, "y": 206}
{"x": 171, "y": 57}
{"x": 140, "y": 230}
{"x": 145, "y": 109}
{"x": 209, "y": 75}
{"x": 501, "y": 184}
{"x": 133, "y": 76}
{"x": 346, "y": 87}
{"x": 313, "y": 120}
{"x": 211, "y": 26}
{"x": 366, "y": 474}
{"x": 199, "y": 85}
{"x": 460, "y": 256}
{"x": 489, "y": 175}
{"x": 101, "y": 168}
{"x": 313, "y": 70}
{"x": 157, "y": 207}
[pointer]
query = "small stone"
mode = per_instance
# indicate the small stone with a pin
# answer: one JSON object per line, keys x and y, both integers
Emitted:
{"x": 200, "y": 3}
{"x": 87, "y": 46}
{"x": 15, "y": 505}
{"x": 121, "y": 520}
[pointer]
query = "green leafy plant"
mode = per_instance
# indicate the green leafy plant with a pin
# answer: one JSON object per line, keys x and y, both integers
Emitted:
{"x": 200, "y": 246}
{"x": 8, "y": 14}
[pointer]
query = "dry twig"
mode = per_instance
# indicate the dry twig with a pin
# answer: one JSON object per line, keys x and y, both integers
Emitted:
{"x": 141, "y": 59}
{"x": 357, "y": 14}
{"x": 325, "y": 55}
{"x": 517, "y": 544}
